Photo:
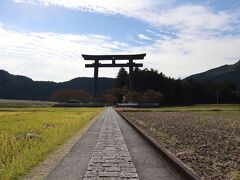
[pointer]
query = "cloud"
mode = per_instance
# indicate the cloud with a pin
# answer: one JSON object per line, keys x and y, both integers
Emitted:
{"x": 186, "y": 55}
{"x": 191, "y": 17}
{"x": 143, "y": 37}
{"x": 160, "y": 13}
{"x": 185, "y": 39}
{"x": 54, "y": 56}
{"x": 51, "y": 56}
{"x": 123, "y": 7}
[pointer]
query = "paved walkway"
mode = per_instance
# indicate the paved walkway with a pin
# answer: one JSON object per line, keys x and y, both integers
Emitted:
{"x": 75, "y": 163}
{"x": 111, "y": 158}
{"x": 111, "y": 149}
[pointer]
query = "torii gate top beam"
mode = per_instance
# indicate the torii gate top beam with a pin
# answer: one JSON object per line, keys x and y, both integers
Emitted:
{"x": 114, "y": 57}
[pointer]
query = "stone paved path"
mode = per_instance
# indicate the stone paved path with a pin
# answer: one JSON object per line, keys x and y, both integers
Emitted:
{"x": 111, "y": 149}
{"x": 111, "y": 158}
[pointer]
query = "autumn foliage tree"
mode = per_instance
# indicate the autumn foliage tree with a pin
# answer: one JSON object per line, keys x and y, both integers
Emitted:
{"x": 133, "y": 97}
{"x": 60, "y": 95}
{"x": 148, "y": 96}
{"x": 67, "y": 95}
{"x": 80, "y": 96}
{"x": 151, "y": 96}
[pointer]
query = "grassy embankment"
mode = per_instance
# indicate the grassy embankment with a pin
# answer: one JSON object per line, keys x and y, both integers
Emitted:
{"x": 28, "y": 135}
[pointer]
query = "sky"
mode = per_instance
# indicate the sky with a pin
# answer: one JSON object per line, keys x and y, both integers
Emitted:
{"x": 45, "y": 39}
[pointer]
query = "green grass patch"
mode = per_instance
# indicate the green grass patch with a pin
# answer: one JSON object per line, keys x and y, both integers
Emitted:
{"x": 28, "y": 135}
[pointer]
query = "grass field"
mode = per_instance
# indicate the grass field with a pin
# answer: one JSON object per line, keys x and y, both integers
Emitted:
{"x": 205, "y": 137}
{"x": 28, "y": 135}
{"x": 24, "y": 103}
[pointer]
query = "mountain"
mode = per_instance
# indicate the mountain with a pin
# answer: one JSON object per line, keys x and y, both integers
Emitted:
{"x": 230, "y": 73}
{"x": 21, "y": 87}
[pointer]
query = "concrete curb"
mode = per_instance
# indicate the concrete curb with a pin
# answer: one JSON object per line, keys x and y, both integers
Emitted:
{"x": 179, "y": 166}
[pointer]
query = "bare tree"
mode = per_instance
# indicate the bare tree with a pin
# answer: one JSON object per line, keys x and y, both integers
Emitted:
{"x": 66, "y": 95}
{"x": 133, "y": 96}
{"x": 151, "y": 96}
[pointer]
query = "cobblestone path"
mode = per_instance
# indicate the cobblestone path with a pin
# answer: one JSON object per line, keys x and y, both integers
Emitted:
{"x": 111, "y": 158}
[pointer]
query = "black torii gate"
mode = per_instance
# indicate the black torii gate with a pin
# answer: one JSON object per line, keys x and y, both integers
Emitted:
{"x": 96, "y": 65}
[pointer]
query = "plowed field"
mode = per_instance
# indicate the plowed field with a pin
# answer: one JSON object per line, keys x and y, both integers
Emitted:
{"x": 206, "y": 141}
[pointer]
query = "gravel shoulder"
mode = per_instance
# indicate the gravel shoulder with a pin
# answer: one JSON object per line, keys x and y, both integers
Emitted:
{"x": 209, "y": 143}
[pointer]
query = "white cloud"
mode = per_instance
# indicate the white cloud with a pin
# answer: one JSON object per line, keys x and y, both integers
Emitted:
{"x": 194, "y": 43}
{"x": 124, "y": 7}
{"x": 186, "y": 55}
{"x": 159, "y": 13}
{"x": 143, "y": 37}
{"x": 191, "y": 17}
{"x": 51, "y": 56}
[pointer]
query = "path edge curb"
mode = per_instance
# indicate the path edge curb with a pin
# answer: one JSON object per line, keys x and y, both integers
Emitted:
{"x": 178, "y": 165}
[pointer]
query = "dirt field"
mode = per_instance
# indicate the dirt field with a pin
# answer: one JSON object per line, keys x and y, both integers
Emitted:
{"x": 206, "y": 141}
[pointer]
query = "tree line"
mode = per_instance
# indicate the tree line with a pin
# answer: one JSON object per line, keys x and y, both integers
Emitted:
{"x": 178, "y": 91}
{"x": 154, "y": 87}
{"x": 114, "y": 95}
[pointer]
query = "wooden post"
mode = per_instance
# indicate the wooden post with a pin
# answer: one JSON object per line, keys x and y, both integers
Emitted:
{"x": 131, "y": 83}
{"x": 95, "y": 80}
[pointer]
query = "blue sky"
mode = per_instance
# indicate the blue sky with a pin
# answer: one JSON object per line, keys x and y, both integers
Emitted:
{"x": 44, "y": 39}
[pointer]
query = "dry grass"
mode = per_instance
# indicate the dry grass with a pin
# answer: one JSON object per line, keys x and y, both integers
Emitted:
{"x": 27, "y": 135}
{"x": 7, "y": 103}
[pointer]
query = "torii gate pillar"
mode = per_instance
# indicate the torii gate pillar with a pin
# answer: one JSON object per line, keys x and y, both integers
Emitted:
{"x": 95, "y": 80}
{"x": 131, "y": 79}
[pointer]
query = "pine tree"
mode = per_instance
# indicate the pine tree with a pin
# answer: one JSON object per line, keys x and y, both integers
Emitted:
{"x": 122, "y": 78}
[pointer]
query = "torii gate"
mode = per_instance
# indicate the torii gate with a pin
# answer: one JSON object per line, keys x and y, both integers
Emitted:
{"x": 96, "y": 65}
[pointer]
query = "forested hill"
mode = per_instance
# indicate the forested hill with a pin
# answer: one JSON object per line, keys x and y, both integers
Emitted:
{"x": 21, "y": 87}
{"x": 230, "y": 73}
{"x": 180, "y": 92}
{"x": 174, "y": 91}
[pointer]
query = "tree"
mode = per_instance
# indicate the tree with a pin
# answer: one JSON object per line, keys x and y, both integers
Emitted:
{"x": 67, "y": 95}
{"x": 114, "y": 95}
{"x": 80, "y": 96}
{"x": 133, "y": 97}
{"x": 122, "y": 78}
{"x": 62, "y": 95}
{"x": 151, "y": 96}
